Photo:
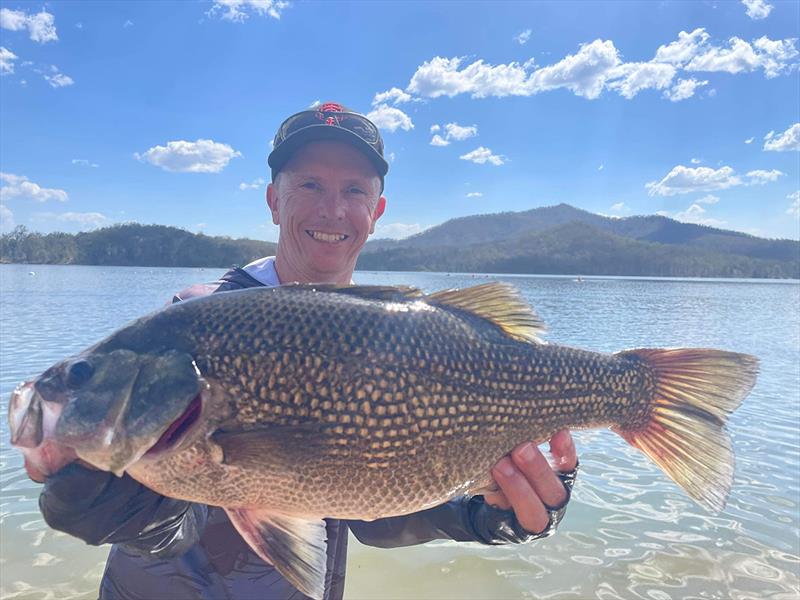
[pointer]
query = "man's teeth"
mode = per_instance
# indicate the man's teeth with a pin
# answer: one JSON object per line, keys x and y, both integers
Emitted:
{"x": 327, "y": 237}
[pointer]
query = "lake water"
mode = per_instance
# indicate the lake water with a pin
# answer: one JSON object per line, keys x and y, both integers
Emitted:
{"x": 629, "y": 532}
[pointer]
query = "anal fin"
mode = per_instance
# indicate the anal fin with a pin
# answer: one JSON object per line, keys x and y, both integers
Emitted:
{"x": 296, "y": 547}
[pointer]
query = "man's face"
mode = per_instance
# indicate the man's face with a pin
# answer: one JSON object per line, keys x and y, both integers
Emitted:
{"x": 326, "y": 202}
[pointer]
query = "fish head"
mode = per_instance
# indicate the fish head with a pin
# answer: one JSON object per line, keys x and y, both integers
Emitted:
{"x": 106, "y": 407}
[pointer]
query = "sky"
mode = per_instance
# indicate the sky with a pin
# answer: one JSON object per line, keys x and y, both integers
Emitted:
{"x": 164, "y": 112}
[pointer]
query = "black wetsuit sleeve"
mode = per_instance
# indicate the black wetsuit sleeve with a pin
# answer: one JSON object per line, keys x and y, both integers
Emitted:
{"x": 464, "y": 519}
{"x": 101, "y": 508}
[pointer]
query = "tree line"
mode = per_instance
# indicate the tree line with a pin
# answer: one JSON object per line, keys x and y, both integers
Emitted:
{"x": 130, "y": 245}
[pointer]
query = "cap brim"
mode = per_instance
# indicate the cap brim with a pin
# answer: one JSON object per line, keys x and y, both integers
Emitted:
{"x": 317, "y": 133}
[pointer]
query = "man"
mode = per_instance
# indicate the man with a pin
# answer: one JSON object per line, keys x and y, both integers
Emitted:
{"x": 326, "y": 196}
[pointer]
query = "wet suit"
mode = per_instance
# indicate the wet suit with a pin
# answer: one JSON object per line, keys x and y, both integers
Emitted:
{"x": 172, "y": 549}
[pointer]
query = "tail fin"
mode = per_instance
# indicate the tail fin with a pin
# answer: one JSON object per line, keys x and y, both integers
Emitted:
{"x": 695, "y": 391}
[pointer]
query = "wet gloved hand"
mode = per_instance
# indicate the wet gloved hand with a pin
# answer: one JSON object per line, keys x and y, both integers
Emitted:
{"x": 532, "y": 497}
{"x": 101, "y": 508}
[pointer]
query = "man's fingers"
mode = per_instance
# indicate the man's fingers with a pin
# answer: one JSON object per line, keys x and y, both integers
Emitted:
{"x": 541, "y": 477}
{"x": 529, "y": 510}
{"x": 563, "y": 450}
{"x": 498, "y": 500}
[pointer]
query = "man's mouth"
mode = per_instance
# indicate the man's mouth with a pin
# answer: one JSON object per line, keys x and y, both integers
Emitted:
{"x": 323, "y": 236}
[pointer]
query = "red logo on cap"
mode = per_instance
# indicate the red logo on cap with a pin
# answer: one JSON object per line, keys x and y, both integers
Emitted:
{"x": 331, "y": 107}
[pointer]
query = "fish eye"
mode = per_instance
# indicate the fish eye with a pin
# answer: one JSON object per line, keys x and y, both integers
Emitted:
{"x": 79, "y": 373}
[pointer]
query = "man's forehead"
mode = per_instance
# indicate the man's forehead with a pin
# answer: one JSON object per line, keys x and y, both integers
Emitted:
{"x": 319, "y": 156}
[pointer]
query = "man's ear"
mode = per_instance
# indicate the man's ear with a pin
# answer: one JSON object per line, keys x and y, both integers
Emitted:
{"x": 272, "y": 203}
{"x": 379, "y": 208}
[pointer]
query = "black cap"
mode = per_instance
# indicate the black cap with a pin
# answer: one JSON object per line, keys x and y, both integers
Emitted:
{"x": 329, "y": 121}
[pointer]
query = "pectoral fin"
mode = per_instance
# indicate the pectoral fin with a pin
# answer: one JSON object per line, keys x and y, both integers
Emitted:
{"x": 296, "y": 547}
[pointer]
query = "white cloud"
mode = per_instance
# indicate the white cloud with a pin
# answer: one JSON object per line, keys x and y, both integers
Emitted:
{"x": 397, "y": 231}
{"x": 788, "y": 140}
{"x": 483, "y": 155}
{"x": 453, "y": 131}
{"x": 601, "y": 167}
{"x": 687, "y": 180}
{"x": 82, "y": 221}
{"x": 618, "y": 206}
{"x": 708, "y": 199}
{"x": 395, "y": 96}
{"x": 522, "y": 38}
{"x": 389, "y": 118}
{"x": 58, "y": 80}
{"x": 127, "y": 23}
{"x": 760, "y": 177}
{"x": 475, "y": 195}
{"x": 202, "y": 156}
{"x": 597, "y": 66}
{"x": 41, "y": 26}
{"x": 695, "y": 161}
{"x": 684, "y": 89}
{"x": 458, "y": 132}
{"x": 631, "y": 78}
{"x": 757, "y": 9}
{"x": 82, "y": 162}
{"x": 391, "y": 157}
{"x": 441, "y": 77}
{"x": 769, "y": 135}
{"x": 749, "y": 140}
{"x": 19, "y": 186}
{"x": 7, "y": 222}
{"x": 7, "y": 58}
{"x": 584, "y": 73}
{"x": 794, "y": 208}
{"x": 682, "y": 50}
{"x": 695, "y": 214}
{"x": 254, "y": 185}
{"x": 238, "y": 11}
{"x": 741, "y": 57}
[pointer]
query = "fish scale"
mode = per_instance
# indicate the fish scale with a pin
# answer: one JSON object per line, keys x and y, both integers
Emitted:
{"x": 291, "y": 404}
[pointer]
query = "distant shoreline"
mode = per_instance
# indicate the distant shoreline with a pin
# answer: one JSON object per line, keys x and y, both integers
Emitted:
{"x": 476, "y": 276}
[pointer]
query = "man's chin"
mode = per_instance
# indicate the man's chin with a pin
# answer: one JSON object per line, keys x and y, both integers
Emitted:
{"x": 332, "y": 260}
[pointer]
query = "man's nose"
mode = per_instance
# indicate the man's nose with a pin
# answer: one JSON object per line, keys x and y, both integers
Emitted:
{"x": 332, "y": 206}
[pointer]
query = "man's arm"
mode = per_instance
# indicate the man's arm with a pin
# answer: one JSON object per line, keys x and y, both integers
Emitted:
{"x": 101, "y": 508}
{"x": 529, "y": 504}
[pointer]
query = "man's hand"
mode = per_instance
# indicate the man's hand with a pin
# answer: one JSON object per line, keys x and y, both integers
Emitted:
{"x": 528, "y": 485}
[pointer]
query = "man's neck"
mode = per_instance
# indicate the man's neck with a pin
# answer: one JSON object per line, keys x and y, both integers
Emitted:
{"x": 288, "y": 273}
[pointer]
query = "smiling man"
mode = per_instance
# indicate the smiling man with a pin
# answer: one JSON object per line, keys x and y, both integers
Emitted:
{"x": 326, "y": 196}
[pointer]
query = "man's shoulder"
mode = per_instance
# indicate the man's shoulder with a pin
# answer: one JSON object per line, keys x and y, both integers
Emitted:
{"x": 233, "y": 279}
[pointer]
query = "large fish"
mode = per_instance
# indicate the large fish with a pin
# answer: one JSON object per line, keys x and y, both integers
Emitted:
{"x": 291, "y": 404}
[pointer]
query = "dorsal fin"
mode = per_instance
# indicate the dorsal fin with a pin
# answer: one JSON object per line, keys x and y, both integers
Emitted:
{"x": 400, "y": 293}
{"x": 499, "y": 303}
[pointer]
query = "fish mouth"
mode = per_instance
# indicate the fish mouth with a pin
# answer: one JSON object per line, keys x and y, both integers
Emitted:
{"x": 326, "y": 237}
{"x": 179, "y": 428}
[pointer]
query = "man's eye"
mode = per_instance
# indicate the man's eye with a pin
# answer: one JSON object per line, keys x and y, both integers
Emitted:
{"x": 356, "y": 190}
{"x": 310, "y": 185}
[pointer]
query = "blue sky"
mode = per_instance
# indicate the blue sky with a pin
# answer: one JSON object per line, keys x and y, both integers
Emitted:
{"x": 163, "y": 112}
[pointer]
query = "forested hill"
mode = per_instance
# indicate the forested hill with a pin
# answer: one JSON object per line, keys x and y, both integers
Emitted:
{"x": 129, "y": 245}
{"x": 554, "y": 240}
{"x": 565, "y": 240}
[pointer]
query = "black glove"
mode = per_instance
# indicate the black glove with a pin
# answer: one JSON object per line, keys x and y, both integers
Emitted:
{"x": 497, "y": 526}
{"x": 101, "y": 508}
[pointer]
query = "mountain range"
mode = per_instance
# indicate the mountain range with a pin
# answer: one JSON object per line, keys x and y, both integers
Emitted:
{"x": 563, "y": 239}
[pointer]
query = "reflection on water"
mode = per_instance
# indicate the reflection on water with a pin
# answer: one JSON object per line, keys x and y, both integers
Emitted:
{"x": 629, "y": 533}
